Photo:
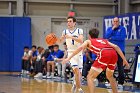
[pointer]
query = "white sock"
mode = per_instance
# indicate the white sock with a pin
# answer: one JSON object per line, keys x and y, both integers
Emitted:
{"x": 52, "y": 74}
{"x": 48, "y": 74}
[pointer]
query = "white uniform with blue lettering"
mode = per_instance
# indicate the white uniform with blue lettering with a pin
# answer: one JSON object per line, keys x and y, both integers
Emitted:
{"x": 72, "y": 45}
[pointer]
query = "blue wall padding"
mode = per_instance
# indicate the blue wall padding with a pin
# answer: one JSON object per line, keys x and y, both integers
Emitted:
{"x": 15, "y": 33}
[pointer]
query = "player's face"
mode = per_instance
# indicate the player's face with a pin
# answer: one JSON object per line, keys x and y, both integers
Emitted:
{"x": 33, "y": 49}
{"x": 70, "y": 23}
{"x": 26, "y": 50}
{"x": 55, "y": 49}
{"x": 116, "y": 21}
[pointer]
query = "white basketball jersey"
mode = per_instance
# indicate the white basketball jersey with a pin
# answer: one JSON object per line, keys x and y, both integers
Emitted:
{"x": 72, "y": 44}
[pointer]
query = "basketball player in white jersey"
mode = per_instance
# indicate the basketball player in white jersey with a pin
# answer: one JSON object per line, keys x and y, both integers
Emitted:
{"x": 74, "y": 38}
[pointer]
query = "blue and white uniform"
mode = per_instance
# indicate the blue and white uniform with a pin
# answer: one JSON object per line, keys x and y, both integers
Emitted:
{"x": 72, "y": 45}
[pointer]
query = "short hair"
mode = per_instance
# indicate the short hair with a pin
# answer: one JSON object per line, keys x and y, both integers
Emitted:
{"x": 56, "y": 45}
{"x": 73, "y": 18}
{"x": 64, "y": 43}
{"x": 50, "y": 47}
{"x": 26, "y": 47}
{"x": 38, "y": 47}
{"x": 94, "y": 33}
{"x": 34, "y": 46}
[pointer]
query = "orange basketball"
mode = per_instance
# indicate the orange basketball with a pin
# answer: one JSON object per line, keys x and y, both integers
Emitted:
{"x": 51, "y": 39}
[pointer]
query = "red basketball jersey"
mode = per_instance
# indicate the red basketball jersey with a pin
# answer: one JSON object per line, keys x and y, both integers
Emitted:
{"x": 98, "y": 44}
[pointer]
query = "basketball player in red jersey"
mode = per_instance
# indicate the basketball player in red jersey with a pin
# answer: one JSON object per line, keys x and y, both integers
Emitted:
{"x": 106, "y": 59}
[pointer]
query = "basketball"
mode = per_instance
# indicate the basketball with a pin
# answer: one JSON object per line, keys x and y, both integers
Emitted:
{"x": 51, "y": 39}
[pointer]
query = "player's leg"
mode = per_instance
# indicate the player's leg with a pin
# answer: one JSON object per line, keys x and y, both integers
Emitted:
{"x": 77, "y": 79}
{"x": 53, "y": 68}
{"x": 80, "y": 65}
{"x": 113, "y": 83}
{"x": 93, "y": 73}
{"x": 48, "y": 68}
{"x": 110, "y": 69}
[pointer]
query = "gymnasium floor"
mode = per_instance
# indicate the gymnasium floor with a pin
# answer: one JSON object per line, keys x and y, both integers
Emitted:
{"x": 16, "y": 84}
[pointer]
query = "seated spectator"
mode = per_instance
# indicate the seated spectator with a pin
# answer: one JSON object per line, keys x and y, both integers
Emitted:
{"x": 88, "y": 60}
{"x": 45, "y": 59}
{"x": 25, "y": 60}
{"x": 39, "y": 64}
{"x": 59, "y": 60}
{"x": 52, "y": 58}
{"x": 32, "y": 60}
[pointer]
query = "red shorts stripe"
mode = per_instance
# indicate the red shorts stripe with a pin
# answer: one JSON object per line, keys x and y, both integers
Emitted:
{"x": 106, "y": 59}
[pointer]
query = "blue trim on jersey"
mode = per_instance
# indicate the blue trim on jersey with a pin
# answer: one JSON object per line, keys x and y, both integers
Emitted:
{"x": 65, "y": 31}
{"x": 73, "y": 31}
{"x": 78, "y": 32}
{"x": 74, "y": 65}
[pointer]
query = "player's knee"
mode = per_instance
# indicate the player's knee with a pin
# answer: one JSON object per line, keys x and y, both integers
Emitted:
{"x": 75, "y": 70}
{"x": 90, "y": 77}
{"x": 109, "y": 76}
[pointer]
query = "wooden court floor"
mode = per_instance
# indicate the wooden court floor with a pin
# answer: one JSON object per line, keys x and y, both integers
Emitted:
{"x": 14, "y": 84}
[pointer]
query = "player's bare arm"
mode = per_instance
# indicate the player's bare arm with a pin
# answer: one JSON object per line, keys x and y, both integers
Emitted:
{"x": 61, "y": 39}
{"x": 80, "y": 48}
{"x": 120, "y": 53}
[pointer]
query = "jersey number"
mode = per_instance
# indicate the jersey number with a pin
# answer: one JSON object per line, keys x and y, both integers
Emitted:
{"x": 101, "y": 41}
{"x": 72, "y": 42}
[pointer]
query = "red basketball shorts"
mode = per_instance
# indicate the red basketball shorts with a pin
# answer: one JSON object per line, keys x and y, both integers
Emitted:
{"x": 106, "y": 59}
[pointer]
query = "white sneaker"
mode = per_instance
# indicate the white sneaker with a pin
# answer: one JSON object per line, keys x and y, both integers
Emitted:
{"x": 96, "y": 82}
{"x": 120, "y": 86}
{"x": 80, "y": 90}
{"x": 39, "y": 75}
{"x": 73, "y": 89}
{"x": 44, "y": 76}
{"x": 27, "y": 72}
{"x": 51, "y": 76}
{"x": 107, "y": 84}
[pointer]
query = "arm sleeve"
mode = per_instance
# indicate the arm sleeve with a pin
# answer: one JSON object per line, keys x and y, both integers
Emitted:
{"x": 121, "y": 35}
{"x": 108, "y": 33}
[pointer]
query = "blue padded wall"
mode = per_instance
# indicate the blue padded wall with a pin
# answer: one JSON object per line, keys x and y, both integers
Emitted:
{"x": 15, "y": 33}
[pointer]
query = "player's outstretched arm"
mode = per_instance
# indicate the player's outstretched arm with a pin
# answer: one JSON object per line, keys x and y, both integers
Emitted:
{"x": 80, "y": 48}
{"x": 120, "y": 53}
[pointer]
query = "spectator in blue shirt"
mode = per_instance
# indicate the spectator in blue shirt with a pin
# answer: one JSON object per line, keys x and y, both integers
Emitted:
{"x": 117, "y": 34}
{"x": 52, "y": 60}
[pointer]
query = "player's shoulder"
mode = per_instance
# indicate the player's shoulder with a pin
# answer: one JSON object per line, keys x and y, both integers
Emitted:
{"x": 79, "y": 29}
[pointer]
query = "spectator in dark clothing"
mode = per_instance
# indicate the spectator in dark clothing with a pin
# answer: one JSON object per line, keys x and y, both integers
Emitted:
{"x": 116, "y": 35}
{"x": 25, "y": 60}
{"x": 88, "y": 60}
{"x": 32, "y": 60}
{"x": 39, "y": 64}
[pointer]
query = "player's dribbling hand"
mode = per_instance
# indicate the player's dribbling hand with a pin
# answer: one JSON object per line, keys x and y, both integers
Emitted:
{"x": 68, "y": 36}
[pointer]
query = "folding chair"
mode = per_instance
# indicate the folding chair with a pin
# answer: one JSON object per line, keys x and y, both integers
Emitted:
{"x": 128, "y": 71}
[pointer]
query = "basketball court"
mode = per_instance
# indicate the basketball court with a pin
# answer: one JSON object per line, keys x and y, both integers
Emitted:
{"x": 30, "y": 22}
{"x": 17, "y": 84}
